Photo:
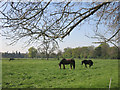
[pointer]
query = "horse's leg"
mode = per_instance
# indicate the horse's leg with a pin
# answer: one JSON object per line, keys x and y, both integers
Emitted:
{"x": 60, "y": 66}
{"x": 86, "y": 65}
{"x": 89, "y": 65}
{"x": 63, "y": 66}
{"x": 70, "y": 66}
{"x": 74, "y": 65}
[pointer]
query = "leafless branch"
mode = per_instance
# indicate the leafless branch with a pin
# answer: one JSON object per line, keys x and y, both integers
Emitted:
{"x": 52, "y": 21}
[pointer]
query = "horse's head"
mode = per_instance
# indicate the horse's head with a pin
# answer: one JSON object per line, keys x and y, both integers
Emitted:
{"x": 82, "y": 62}
{"x": 59, "y": 65}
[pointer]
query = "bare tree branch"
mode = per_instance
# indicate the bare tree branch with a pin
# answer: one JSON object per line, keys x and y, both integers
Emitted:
{"x": 52, "y": 21}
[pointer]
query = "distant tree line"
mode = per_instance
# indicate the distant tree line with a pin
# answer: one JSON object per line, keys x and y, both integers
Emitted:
{"x": 38, "y": 53}
{"x": 102, "y": 51}
{"x": 14, "y": 55}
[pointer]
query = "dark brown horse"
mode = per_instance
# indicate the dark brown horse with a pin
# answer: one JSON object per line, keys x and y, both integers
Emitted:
{"x": 90, "y": 62}
{"x": 66, "y": 62}
{"x": 11, "y": 59}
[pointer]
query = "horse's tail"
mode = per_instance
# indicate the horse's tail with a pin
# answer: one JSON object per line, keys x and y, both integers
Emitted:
{"x": 91, "y": 63}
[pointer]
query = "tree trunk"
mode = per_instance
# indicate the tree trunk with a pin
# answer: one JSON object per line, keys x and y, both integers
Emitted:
{"x": 118, "y": 52}
{"x": 47, "y": 56}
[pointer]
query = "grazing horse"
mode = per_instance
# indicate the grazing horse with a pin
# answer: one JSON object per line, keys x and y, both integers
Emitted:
{"x": 90, "y": 62}
{"x": 11, "y": 59}
{"x": 66, "y": 62}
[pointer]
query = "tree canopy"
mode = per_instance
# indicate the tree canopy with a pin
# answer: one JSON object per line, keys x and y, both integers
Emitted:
{"x": 32, "y": 52}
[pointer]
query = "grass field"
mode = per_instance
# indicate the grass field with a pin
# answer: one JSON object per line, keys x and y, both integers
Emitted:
{"x": 28, "y": 73}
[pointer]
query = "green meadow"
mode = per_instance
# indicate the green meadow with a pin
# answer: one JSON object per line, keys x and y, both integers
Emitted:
{"x": 38, "y": 73}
